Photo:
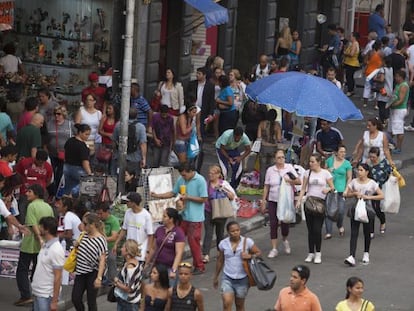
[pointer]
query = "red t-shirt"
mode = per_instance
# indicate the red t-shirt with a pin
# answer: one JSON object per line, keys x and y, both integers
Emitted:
{"x": 33, "y": 174}
{"x": 5, "y": 169}
{"x": 25, "y": 119}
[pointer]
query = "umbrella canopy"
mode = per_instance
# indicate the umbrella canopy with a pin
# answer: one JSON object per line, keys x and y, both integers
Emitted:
{"x": 304, "y": 94}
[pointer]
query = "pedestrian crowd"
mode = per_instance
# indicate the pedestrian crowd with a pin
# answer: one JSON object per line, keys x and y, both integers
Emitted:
{"x": 46, "y": 155}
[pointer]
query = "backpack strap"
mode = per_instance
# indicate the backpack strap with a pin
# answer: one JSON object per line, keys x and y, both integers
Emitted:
{"x": 364, "y": 305}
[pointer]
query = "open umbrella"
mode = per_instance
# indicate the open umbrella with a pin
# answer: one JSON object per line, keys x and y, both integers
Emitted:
{"x": 304, "y": 94}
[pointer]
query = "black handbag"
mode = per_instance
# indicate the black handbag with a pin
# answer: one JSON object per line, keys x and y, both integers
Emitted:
{"x": 314, "y": 205}
{"x": 332, "y": 201}
{"x": 263, "y": 275}
{"x": 111, "y": 294}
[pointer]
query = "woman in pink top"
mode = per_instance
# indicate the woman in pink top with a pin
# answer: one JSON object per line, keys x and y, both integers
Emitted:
{"x": 273, "y": 179}
{"x": 317, "y": 182}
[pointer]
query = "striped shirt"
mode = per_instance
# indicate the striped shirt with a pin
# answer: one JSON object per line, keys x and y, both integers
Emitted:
{"x": 89, "y": 252}
{"x": 133, "y": 278}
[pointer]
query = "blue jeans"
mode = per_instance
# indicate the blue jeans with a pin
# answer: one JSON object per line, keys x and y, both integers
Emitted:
{"x": 122, "y": 305}
{"x": 236, "y": 168}
{"x": 72, "y": 175}
{"x": 41, "y": 303}
{"x": 237, "y": 287}
{"x": 22, "y": 273}
{"x": 339, "y": 222}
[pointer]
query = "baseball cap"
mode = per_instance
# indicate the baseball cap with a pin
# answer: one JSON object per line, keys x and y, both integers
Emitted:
{"x": 132, "y": 197}
{"x": 93, "y": 76}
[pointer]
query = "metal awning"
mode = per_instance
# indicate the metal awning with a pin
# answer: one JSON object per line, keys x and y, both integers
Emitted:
{"x": 214, "y": 14}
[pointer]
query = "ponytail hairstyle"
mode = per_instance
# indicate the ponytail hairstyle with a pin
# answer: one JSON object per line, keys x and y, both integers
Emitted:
{"x": 82, "y": 128}
{"x": 351, "y": 282}
{"x": 93, "y": 219}
{"x": 174, "y": 215}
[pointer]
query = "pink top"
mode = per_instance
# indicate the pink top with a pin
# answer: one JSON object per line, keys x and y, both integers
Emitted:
{"x": 274, "y": 177}
{"x": 317, "y": 182}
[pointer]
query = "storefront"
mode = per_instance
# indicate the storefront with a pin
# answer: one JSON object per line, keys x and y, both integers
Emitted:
{"x": 61, "y": 41}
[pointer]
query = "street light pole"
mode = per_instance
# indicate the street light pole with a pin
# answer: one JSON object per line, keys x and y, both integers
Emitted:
{"x": 126, "y": 93}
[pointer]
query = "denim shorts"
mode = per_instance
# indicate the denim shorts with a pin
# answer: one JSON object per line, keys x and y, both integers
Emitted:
{"x": 238, "y": 287}
{"x": 180, "y": 146}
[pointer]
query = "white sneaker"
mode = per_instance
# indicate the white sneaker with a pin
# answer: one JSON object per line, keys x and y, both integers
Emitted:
{"x": 318, "y": 258}
{"x": 273, "y": 253}
{"x": 287, "y": 247}
{"x": 350, "y": 261}
{"x": 365, "y": 258}
{"x": 409, "y": 128}
{"x": 310, "y": 257}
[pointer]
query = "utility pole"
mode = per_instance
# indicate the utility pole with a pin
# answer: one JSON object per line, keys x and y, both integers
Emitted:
{"x": 126, "y": 93}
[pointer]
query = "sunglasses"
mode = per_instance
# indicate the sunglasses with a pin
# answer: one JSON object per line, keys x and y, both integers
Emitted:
{"x": 185, "y": 264}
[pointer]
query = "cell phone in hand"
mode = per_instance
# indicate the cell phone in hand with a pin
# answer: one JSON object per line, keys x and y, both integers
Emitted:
{"x": 291, "y": 176}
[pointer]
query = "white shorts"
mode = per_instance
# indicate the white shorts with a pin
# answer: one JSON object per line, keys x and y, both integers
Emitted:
{"x": 367, "y": 89}
{"x": 396, "y": 121}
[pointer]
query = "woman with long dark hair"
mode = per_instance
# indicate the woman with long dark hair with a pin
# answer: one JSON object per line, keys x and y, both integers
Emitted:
{"x": 351, "y": 62}
{"x": 156, "y": 292}
{"x": 380, "y": 171}
{"x": 172, "y": 92}
{"x": 76, "y": 158}
{"x": 184, "y": 128}
{"x": 362, "y": 187}
{"x": 353, "y": 298}
{"x": 71, "y": 222}
{"x": 317, "y": 182}
{"x": 168, "y": 243}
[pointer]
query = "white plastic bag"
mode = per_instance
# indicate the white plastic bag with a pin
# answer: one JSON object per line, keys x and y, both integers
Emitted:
{"x": 173, "y": 159}
{"x": 285, "y": 206}
{"x": 257, "y": 145}
{"x": 361, "y": 214}
{"x": 391, "y": 202}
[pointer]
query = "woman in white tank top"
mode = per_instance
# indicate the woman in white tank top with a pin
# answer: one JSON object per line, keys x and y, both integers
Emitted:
{"x": 374, "y": 137}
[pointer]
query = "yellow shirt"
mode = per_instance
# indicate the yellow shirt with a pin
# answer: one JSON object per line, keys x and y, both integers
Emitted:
{"x": 343, "y": 306}
{"x": 351, "y": 60}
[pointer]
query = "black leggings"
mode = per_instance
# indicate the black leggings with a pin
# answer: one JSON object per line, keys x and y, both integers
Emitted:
{"x": 314, "y": 224}
{"x": 354, "y": 234}
{"x": 85, "y": 282}
{"x": 378, "y": 212}
{"x": 349, "y": 73}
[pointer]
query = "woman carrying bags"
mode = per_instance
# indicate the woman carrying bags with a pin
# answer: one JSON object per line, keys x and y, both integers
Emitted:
{"x": 217, "y": 188}
{"x": 380, "y": 171}
{"x": 273, "y": 180}
{"x": 362, "y": 187}
{"x": 317, "y": 182}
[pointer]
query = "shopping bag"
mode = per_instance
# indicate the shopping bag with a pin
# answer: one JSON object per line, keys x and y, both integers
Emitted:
{"x": 332, "y": 201}
{"x": 391, "y": 202}
{"x": 193, "y": 146}
{"x": 70, "y": 263}
{"x": 257, "y": 145}
{"x": 285, "y": 205}
{"x": 361, "y": 214}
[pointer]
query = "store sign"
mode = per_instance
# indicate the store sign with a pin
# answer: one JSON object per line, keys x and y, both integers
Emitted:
{"x": 6, "y": 14}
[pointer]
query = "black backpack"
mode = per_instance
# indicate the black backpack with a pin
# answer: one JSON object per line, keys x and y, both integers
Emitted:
{"x": 132, "y": 138}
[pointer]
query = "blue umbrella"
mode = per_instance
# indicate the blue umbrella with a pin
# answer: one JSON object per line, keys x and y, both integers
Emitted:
{"x": 304, "y": 94}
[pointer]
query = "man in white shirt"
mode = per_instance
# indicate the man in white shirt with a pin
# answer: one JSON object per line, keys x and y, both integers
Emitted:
{"x": 137, "y": 225}
{"x": 47, "y": 277}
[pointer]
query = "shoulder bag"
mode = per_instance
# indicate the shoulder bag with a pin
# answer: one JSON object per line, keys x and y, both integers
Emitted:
{"x": 146, "y": 272}
{"x": 314, "y": 205}
{"x": 221, "y": 207}
{"x": 246, "y": 266}
{"x": 70, "y": 263}
{"x": 258, "y": 272}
